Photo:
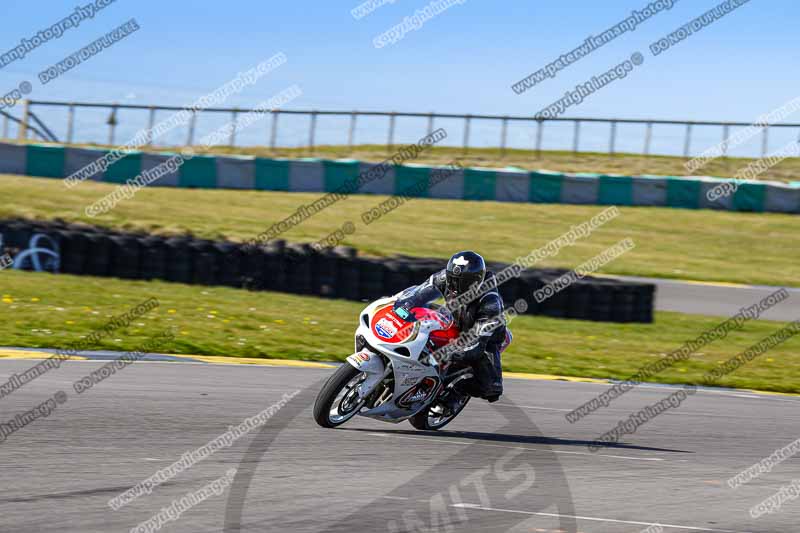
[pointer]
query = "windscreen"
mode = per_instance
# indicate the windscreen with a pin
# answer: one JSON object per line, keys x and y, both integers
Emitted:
{"x": 417, "y": 296}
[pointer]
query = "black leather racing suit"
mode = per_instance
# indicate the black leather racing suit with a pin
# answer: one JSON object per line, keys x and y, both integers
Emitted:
{"x": 484, "y": 317}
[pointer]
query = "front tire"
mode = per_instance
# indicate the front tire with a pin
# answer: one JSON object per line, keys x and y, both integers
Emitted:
{"x": 337, "y": 401}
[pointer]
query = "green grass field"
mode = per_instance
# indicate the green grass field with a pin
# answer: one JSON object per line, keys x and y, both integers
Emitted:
{"x": 44, "y": 310}
{"x": 565, "y": 161}
{"x": 670, "y": 243}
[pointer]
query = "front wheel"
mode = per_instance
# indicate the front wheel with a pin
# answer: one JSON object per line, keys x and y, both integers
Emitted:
{"x": 338, "y": 400}
{"x": 437, "y": 415}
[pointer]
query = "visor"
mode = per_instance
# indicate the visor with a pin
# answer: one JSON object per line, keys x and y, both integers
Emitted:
{"x": 461, "y": 284}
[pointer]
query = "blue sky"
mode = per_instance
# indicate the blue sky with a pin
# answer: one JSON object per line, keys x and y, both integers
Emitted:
{"x": 462, "y": 61}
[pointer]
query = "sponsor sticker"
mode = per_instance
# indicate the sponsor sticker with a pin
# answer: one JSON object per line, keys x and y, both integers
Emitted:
{"x": 419, "y": 395}
{"x": 409, "y": 380}
{"x": 384, "y": 328}
{"x": 396, "y": 321}
{"x": 418, "y": 392}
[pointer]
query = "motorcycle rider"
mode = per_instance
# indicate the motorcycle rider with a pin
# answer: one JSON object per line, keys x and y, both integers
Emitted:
{"x": 471, "y": 296}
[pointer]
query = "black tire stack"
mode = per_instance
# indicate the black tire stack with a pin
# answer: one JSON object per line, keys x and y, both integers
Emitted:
{"x": 301, "y": 269}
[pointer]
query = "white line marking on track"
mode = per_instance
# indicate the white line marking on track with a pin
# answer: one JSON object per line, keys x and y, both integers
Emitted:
{"x": 592, "y": 518}
{"x": 668, "y": 386}
{"x": 462, "y": 443}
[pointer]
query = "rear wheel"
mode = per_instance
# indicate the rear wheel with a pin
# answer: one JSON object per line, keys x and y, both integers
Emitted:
{"x": 438, "y": 414}
{"x": 338, "y": 400}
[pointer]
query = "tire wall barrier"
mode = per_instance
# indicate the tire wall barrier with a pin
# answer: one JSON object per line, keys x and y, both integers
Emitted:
{"x": 502, "y": 185}
{"x": 339, "y": 272}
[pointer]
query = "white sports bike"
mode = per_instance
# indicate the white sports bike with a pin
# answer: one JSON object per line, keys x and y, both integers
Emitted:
{"x": 396, "y": 373}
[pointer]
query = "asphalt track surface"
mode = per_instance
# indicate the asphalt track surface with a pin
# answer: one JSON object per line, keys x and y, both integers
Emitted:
{"x": 718, "y": 299}
{"x": 517, "y": 465}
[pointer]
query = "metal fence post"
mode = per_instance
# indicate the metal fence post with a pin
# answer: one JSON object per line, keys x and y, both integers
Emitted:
{"x": 112, "y": 125}
{"x": 648, "y": 134}
{"x": 22, "y": 134}
{"x": 5, "y": 127}
{"x": 274, "y": 134}
{"x": 503, "y": 135}
{"x": 765, "y": 141}
{"x": 151, "y": 122}
{"x": 390, "y": 140}
{"x": 467, "y": 120}
{"x": 687, "y": 142}
{"x": 352, "y": 132}
{"x": 539, "y": 128}
{"x": 192, "y": 124}
{"x": 70, "y": 123}
{"x": 725, "y": 141}
{"x": 234, "y": 116}
{"x": 613, "y": 138}
{"x": 576, "y": 137}
{"x": 430, "y": 123}
{"x": 311, "y": 131}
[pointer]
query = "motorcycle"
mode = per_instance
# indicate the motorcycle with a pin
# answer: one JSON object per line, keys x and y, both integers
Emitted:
{"x": 396, "y": 373}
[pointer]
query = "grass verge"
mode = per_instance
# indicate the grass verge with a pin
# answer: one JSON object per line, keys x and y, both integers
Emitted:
{"x": 40, "y": 310}
{"x": 670, "y": 243}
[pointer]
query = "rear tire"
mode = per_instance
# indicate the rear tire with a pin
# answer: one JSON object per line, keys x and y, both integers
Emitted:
{"x": 340, "y": 379}
{"x": 422, "y": 420}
